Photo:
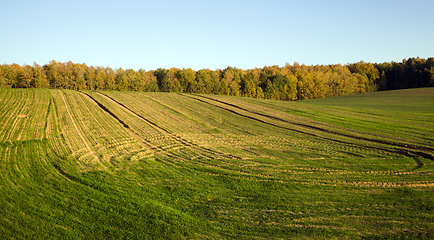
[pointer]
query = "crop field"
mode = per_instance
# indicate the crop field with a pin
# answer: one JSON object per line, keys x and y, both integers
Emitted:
{"x": 131, "y": 165}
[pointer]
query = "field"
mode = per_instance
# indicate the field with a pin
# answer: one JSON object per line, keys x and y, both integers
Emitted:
{"x": 130, "y": 165}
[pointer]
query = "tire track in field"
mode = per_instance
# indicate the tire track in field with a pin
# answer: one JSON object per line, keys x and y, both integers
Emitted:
{"x": 47, "y": 118}
{"x": 112, "y": 114}
{"x": 53, "y": 133}
{"x": 188, "y": 143}
{"x": 107, "y": 150}
{"x": 194, "y": 147}
{"x": 79, "y": 132}
{"x": 73, "y": 121}
{"x": 406, "y": 152}
{"x": 204, "y": 151}
{"x": 396, "y": 144}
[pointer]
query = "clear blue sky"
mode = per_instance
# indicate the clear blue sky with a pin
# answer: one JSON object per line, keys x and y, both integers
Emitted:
{"x": 214, "y": 34}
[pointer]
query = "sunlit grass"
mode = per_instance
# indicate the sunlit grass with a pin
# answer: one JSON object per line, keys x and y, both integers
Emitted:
{"x": 159, "y": 165}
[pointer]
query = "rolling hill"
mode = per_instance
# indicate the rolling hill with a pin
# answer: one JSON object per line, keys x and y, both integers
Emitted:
{"x": 103, "y": 165}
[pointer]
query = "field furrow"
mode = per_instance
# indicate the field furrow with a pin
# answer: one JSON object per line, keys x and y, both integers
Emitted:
{"x": 165, "y": 138}
{"x": 131, "y": 165}
{"x": 14, "y": 117}
{"x": 366, "y": 142}
{"x": 91, "y": 158}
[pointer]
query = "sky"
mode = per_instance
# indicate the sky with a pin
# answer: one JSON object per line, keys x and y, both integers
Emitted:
{"x": 214, "y": 34}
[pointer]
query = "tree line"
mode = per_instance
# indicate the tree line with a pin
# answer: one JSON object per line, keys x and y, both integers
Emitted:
{"x": 291, "y": 82}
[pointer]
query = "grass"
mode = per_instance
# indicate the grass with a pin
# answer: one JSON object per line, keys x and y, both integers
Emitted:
{"x": 131, "y": 165}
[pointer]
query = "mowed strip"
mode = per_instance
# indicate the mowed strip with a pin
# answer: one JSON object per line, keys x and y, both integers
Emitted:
{"x": 286, "y": 143}
{"x": 15, "y": 115}
{"x": 95, "y": 139}
{"x": 85, "y": 153}
{"x": 165, "y": 140}
{"x": 23, "y": 114}
{"x": 112, "y": 137}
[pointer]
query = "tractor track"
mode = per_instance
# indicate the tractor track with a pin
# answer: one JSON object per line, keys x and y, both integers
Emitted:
{"x": 407, "y": 150}
{"x": 197, "y": 149}
{"x": 186, "y": 142}
{"x": 416, "y": 147}
{"x": 107, "y": 110}
{"x": 126, "y": 126}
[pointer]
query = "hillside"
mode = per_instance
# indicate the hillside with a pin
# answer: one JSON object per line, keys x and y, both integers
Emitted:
{"x": 111, "y": 164}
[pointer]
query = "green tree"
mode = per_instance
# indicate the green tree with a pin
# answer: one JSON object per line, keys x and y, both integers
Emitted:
{"x": 223, "y": 88}
{"x": 369, "y": 70}
{"x": 4, "y": 81}
{"x": 15, "y": 75}
{"x": 68, "y": 79}
{"x": 187, "y": 80}
{"x": 228, "y": 75}
{"x": 289, "y": 90}
{"x": 27, "y": 77}
{"x": 109, "y": 79}
{"x": 271, "y": 91}
{"x": 162, "y": 81}
{"x": 361, "y": 83}
{"x": 248, "y": 88}
{"x": 52, "y": 71}
{"x": 173, "y": 83}
{"x": 90, "y": 75}
{"x": 431, "y": 77}
{"x": 121, "y": 80}
{"x": 41, "y": 80}
{"x": 306, "y": 86}
{"x": 216, "y": 82}
{"x": 204, "y": 81}
{"x": 231, "y": 82}
{"x": 335, "y": 83}
{"x": 134, "y": 80}
{"x": 149, "y": 80}
{"x": 80, "y": 81}
{"x": 99, "y": 79}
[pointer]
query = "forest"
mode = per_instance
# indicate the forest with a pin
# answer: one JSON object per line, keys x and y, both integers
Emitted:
{"x": 290, "y": 83}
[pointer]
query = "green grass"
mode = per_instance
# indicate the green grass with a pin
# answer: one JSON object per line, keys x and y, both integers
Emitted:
{"x": 109, "y": 165}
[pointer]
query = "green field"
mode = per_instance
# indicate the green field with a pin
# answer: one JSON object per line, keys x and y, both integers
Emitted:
{"x": 130, "y": 165}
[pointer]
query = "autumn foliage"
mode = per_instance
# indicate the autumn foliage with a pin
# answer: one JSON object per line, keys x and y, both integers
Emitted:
{"x": 291, "y": 82}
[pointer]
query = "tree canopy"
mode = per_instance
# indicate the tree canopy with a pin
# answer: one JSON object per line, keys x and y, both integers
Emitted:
{"x": 290, "y": 83}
